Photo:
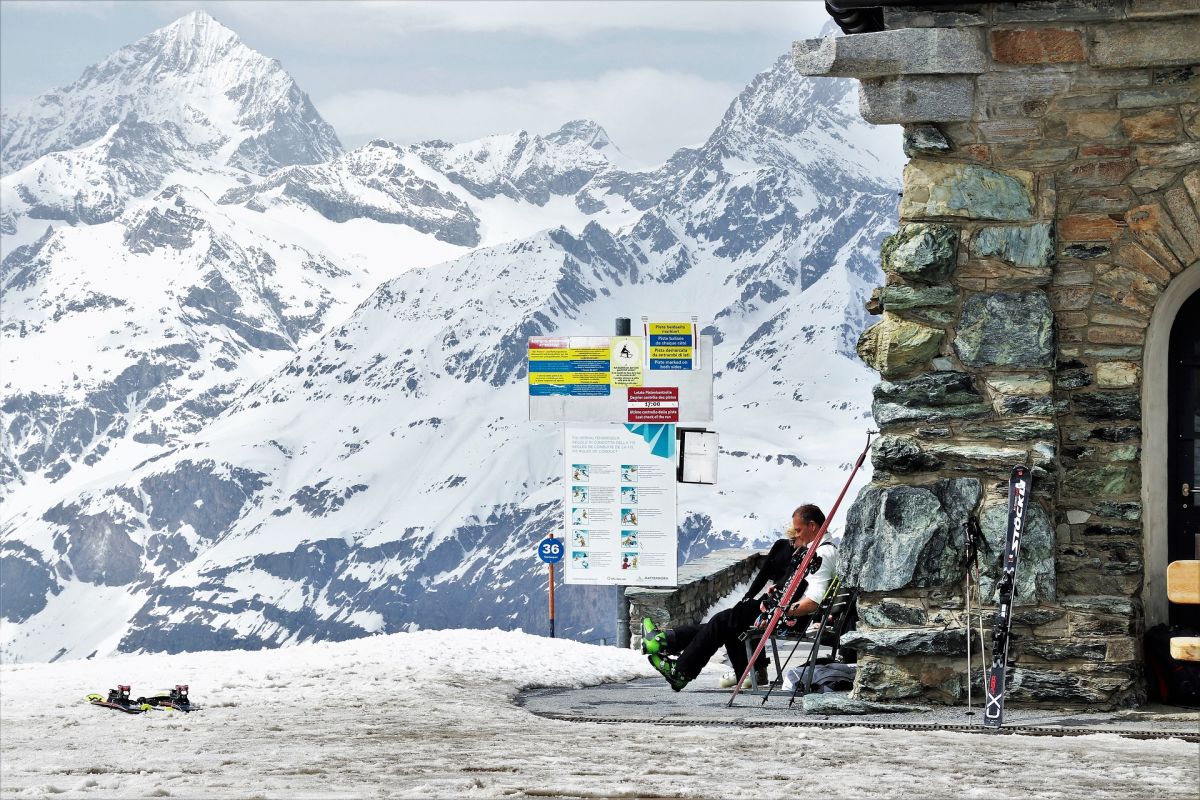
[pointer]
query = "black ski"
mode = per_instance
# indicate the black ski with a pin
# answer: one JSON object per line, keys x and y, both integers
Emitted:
{"x": 118, "y": 700}
{"x": 176, "y": 700}
{"x": 1018, "y": 495}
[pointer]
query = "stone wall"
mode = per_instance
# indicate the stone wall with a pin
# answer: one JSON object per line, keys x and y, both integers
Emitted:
{"x": 702, "y": 583}
{"x": 1051, "y": 196}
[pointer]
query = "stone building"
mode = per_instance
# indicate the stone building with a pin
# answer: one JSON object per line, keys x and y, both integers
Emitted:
{"x": 1041, "y": 306}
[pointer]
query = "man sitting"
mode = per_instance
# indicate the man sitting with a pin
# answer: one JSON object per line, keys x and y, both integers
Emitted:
{"x": 679, "y": 654}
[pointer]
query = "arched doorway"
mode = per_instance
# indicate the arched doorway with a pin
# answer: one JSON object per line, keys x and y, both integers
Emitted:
{"x": 1162, "y": 467}
{"x": 1183, "y": 443}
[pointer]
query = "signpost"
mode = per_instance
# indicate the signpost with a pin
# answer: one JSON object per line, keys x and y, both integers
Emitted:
{"x": 550, "y": 551}
{"x": 625, "y": 394}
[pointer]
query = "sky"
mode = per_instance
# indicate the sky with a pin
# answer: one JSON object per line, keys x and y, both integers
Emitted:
{"x": 657, "y": 75}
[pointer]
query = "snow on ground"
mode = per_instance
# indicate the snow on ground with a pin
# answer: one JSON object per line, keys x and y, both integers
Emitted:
{"x": 429, "y": 714}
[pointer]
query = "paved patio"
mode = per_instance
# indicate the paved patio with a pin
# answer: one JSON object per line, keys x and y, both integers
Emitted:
{"x": 651, "y": 701}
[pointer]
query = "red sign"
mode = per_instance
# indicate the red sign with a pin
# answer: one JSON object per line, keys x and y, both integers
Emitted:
{"x": 653, "y": 403}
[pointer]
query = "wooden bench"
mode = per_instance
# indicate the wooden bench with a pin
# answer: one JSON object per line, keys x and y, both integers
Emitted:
{"x": 1183, "y": 586}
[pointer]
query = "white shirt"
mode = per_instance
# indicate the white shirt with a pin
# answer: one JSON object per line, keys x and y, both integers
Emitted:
{"x": 818, "y": 581}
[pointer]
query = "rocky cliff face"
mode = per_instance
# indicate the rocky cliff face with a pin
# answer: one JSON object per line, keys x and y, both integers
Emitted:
{"x": 292, "y": 407}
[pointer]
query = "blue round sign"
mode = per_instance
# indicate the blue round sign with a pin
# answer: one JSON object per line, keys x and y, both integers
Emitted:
{"x": 551, "y": 550}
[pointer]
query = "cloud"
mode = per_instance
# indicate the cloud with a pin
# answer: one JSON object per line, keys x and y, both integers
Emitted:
{"x": 375, "y": 22}
{"x": 92, "y": 8}
{"x": 648, "y": 113}
{"x": 580, "y": 18}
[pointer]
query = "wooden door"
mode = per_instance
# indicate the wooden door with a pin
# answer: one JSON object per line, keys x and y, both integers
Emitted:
{"x": 1183, "y": 436}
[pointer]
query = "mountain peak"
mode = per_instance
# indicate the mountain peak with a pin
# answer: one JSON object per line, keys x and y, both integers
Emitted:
{"x": 581, "y": 130}
{"x": 197, "y": 31}
{"x": 192, "y": 43}
{"x": 197, "y": 18}
{"x": 197, "y": 25}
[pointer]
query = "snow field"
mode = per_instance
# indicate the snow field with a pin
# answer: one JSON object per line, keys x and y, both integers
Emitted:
{"x": 430, "y": 714}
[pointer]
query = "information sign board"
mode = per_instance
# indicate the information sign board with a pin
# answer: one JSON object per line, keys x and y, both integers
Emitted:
{"x": 654, "y": 404}
{"x": 553, "y": 399}
{"x": 672, "y": 346}
{"x": 619, "y": 505}
{"x": 577, "y": 366}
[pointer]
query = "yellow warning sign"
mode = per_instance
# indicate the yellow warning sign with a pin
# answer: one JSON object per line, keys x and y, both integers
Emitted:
{"x": 672, "y": 345}
{"x": 626, "y": 360}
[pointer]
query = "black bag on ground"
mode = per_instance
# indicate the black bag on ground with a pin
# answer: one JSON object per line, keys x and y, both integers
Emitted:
{"x": 1173, "y": 682}
{"x": 827, "y": 676}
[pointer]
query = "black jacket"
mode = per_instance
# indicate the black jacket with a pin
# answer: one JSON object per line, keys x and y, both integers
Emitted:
{"x": 776, "y": 568}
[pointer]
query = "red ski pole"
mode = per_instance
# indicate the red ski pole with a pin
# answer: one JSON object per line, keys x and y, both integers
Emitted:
{"x": 797, "y": 576}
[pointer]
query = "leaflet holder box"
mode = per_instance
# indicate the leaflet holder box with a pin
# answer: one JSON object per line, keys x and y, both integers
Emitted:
{"x": 695, "y": 396}
{"x": 697, "y": 450}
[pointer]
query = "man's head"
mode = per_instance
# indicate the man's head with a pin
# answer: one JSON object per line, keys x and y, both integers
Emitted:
{"x": 806, "y": 524}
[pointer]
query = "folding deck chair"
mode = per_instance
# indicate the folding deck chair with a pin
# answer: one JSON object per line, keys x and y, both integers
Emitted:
{"x": 835, "y": 615}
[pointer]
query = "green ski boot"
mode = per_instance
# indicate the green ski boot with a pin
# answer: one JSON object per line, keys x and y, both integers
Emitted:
{"x": 666, "y": 668}
{"x": 654, "y": 641}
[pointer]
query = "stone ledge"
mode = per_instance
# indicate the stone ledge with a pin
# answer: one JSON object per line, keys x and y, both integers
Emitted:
{"x": 1162, "y": 8}
{"x": 839, "y": 703}
{"x": 907, "y": 641}
{"x": 907, "y": 51}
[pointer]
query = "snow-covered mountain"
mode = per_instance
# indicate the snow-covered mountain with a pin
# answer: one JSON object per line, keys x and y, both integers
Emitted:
{"x": 531, "y": 167}
{"x": 231, "y": 104}
{"x": 200, "y": 442}
{"x": 210, "y": 273}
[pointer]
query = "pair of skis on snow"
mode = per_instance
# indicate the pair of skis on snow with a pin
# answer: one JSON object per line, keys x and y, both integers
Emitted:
{"x": 118, "y": 699}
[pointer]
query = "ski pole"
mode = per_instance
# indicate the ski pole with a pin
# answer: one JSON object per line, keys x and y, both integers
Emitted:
{"x": 825, "y": 608}
{"x": 979, "y": 614}
{"x": 967, "y": 602}
{"x": 810, "y": 668}
{"x": 799, "y": 574}
{"x": 971, "y": 555}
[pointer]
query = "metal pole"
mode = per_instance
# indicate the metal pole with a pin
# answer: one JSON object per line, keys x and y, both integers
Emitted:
{"x": 551, "y": 601}
{"x": 622, "y": 327}
{"x": 622, "y": 619}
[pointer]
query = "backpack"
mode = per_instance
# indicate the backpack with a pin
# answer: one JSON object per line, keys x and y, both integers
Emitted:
{"x": 831, "y": 676}
{"x": 1172, "y": 682}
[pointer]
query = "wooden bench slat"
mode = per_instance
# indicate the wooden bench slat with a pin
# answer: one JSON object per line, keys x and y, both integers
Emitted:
{"x": 1185, "y": 648}
{"x": 1183, "y": 582}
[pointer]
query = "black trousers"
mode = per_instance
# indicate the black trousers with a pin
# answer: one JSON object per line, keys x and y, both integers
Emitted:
{"x": 696, "y": 644}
